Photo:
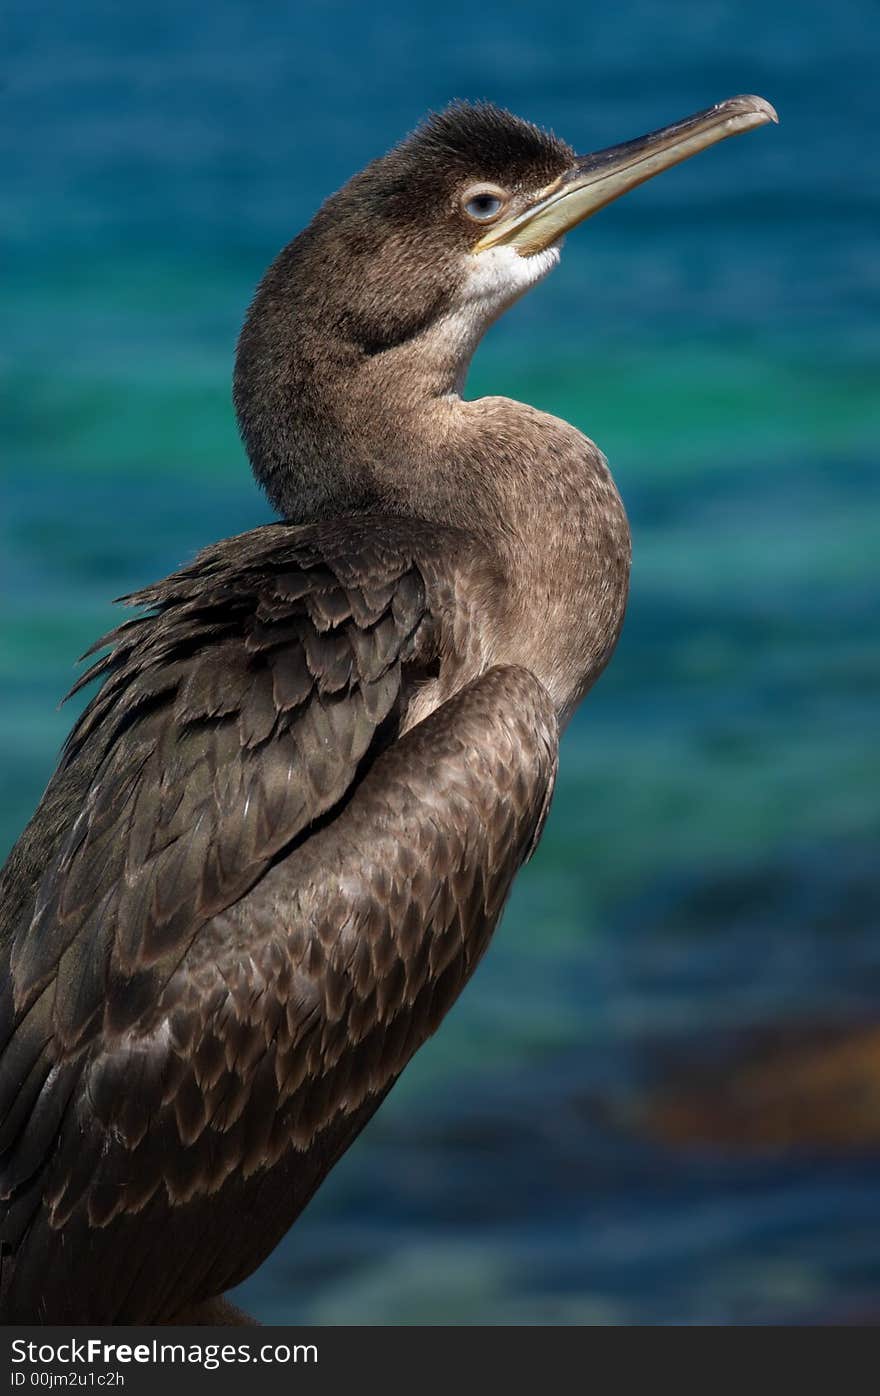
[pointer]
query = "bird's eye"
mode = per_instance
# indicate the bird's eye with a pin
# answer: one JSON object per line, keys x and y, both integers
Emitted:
{"x": 483, "y": 204}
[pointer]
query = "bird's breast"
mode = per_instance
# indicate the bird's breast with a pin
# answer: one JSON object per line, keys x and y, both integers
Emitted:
{"x": 568, "y": 569}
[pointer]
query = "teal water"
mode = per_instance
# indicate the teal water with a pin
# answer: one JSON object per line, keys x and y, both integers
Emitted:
{"x": 710, "y": 864}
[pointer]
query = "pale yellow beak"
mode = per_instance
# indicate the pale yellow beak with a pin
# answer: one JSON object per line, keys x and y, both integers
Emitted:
{"x": 595, "y": 180}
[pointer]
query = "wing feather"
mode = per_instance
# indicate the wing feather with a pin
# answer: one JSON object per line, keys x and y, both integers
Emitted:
{"x": 248, "y": 929}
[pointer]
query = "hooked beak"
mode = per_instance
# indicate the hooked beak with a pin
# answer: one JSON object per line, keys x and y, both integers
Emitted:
{"x": 595, "y": 180}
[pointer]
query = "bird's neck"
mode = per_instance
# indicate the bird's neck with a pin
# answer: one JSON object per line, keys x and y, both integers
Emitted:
{"x": 336, "y": 431}
{"x": 333, "y": 426}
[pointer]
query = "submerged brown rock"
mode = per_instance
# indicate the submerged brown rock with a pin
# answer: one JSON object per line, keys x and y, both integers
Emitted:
{"x": 812, "y": 1091}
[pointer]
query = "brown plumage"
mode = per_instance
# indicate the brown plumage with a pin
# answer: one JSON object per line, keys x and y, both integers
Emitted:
{"x": 282, "y": 832}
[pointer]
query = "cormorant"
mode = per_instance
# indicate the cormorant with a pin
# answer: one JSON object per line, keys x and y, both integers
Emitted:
{"x": 281, "y": 833}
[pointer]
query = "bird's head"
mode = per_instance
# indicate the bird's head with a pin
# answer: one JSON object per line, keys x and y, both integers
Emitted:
{"x": 403, "y": 269}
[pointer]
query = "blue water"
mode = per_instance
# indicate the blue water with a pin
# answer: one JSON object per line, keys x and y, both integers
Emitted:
{"x": 709, "y": 870}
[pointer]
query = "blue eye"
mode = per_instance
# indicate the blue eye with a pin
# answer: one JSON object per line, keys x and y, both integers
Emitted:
{"x": 483, "y": 205}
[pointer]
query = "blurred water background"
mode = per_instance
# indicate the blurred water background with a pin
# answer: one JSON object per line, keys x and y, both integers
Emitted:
{"x": 709, "y": 874}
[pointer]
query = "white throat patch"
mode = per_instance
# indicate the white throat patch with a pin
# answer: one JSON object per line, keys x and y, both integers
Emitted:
{"x": 493, "y": 281}
{"x": 499, "y": 276}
